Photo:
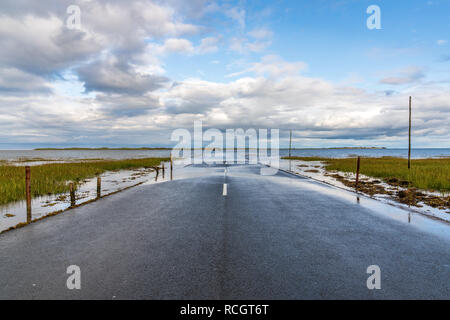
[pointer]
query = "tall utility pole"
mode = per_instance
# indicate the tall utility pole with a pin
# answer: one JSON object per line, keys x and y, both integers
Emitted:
{"x": 290, "y": 142}
{"x": 28, "y": 192}
{"x": 409, "y": 134}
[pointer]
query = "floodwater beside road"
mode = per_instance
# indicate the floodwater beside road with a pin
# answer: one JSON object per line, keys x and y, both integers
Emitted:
{"x": 316, "y": 170}
{"x": 13, "y": 214}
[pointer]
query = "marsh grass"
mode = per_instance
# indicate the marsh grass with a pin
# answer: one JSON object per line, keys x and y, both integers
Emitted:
{"x": 426, "y": 174}
{"x": 53, "y": 178}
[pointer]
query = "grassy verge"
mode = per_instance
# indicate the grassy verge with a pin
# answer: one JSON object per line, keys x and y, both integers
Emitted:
{"x": 426, "y": 174}
{"x": 53, "y": 178}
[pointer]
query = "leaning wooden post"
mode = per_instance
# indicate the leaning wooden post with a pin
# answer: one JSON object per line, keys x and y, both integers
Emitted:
{"x": 72, "y": 195}
{"x": 28, "y": 191}
{"x": 171, "y": 167}
{"x": 409, "y": 136}
{"x": 157, "y": 173}
{"x": 357, "y": 173}
{"x": 99, "y": 187}
{"x": 163, "y": 169}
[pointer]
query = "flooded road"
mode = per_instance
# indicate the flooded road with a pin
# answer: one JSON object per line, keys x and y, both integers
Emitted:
{"x": 228, "y": 232}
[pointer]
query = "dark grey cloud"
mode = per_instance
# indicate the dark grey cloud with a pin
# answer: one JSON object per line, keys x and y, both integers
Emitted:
{"x": 117, "y": 76}
{"x": 16, "y": 82}
{"x": 42, "y": 46}
{"x": 114, "y": 105}
{"x": 193, "y": 106}
{"x": 195, "y": 97}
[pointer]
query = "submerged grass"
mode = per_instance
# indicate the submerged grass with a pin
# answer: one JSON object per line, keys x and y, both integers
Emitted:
{"x": 426, "y": 174}
{"x": 53, "y": 178}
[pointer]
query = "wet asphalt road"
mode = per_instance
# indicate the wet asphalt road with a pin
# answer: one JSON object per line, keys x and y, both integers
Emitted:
{"x": 270, "y": 237}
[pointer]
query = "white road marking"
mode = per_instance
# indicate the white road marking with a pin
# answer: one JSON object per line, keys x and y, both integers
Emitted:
{"x": 224, "y": 189}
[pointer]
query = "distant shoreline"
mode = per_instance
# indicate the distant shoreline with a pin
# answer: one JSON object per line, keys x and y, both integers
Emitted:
{"x": 103, "y": 148}
{"x": 165, "y": 148}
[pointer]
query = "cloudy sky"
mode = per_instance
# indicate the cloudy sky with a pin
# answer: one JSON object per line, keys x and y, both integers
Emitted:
{"x": 133, "y": 71}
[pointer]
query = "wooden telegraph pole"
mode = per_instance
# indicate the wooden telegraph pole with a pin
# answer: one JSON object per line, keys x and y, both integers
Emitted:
{"x": 28, "y": 192}
{"x": 409, "y": 136}
{"x": 290, "y": 143}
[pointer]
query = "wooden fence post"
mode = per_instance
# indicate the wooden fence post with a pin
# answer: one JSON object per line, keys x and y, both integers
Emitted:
{"x": 99, "y": 187}
{"x": 72, "y": 195}
{"x": 163, "y": 169}
{"x": 28, "y": 191}
{"x": 357, "y": 173}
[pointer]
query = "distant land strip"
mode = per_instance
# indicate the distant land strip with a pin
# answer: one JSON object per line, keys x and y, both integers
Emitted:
{"x": 104, "y": 148}
{"x": 166, "y": 148}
